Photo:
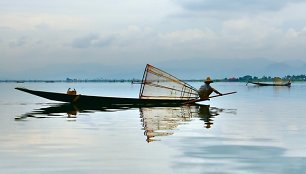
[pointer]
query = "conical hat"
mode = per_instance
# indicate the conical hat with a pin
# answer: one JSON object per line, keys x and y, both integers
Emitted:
{"x": 208, "y": 79}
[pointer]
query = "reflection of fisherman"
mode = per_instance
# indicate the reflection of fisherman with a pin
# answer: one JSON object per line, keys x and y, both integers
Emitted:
{"x": 206, "y": 115}
{"x": 205, "y": 90}
{"x": 72, "y": 114}
{"x": 73, "y": 111}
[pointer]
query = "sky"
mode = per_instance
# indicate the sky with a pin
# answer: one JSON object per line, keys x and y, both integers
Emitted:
{"x": 88, "y": 39}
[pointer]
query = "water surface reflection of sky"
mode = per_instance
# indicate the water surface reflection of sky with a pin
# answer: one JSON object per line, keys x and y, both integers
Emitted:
{"x": 257, "y": 130}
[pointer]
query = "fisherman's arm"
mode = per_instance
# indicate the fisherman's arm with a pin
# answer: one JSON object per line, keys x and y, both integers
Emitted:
{"x": 216, "y": 91}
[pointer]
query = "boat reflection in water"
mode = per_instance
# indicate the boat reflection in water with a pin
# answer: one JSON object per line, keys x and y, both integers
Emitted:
{"x": 156, "y": 121}
{"x": 69, "y": 110}
{"x": 162, "y": 121}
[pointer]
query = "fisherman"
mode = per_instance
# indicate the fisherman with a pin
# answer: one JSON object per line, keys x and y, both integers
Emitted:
{"x": 205, "y": 90}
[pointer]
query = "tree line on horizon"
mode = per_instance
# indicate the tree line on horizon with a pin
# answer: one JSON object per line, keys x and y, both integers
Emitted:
{"x": 248, "y": 78}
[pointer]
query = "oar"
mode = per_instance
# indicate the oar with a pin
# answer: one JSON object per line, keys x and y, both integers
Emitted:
{"x": 198, "y": 100}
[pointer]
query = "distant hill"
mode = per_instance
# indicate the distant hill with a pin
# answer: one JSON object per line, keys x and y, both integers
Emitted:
{"x": 220, "y": 68}
{"x": 285, "y": 68}
{"x": 191, "y": 68}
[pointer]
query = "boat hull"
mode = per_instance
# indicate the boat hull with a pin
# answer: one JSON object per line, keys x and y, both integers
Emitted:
{"x": 101, "y": 100}
{"x": 270, "y": 84}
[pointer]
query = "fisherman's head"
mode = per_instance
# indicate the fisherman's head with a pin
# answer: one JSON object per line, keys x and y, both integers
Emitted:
{"x": 208, "y": 80}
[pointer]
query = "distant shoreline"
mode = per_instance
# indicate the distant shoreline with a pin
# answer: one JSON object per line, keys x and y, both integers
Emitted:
{"x": 245, "y": 78}
{"x": 138, "y": 81}
{"x": 83, "y": 81}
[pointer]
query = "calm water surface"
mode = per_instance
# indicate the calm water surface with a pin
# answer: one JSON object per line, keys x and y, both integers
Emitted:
{"x": 258, "y": 130}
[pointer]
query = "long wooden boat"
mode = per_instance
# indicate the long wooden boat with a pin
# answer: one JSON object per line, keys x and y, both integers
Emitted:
{"x": 101, "y": 100}
{"x": 271, "y": 84}
{"x": 158, "y": 88}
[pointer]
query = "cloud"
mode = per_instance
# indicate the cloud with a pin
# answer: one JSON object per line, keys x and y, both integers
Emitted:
{"x": 92, "y": 40}
{"x": 28, "y": 21}
{"x": 132, "y": 33}
{"x": 19, "y": 42}
{"x": 188, "y": 35}
{"x": 249, "y": 6}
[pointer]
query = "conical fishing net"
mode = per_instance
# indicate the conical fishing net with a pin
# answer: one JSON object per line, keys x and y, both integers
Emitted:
{"x": 157, "y": 84}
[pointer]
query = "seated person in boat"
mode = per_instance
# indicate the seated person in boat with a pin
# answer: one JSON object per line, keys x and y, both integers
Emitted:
{"x": 205, "y": 90}
{"x": 71, "y": 92}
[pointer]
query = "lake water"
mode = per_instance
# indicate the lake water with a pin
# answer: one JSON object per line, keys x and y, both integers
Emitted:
{"x": 258, "y": 130}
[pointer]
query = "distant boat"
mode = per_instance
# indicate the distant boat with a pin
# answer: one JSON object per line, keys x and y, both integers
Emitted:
{"x": 277, "y": 81}
{"x": 271, "y": 84}
{"x": 49, "y": 81}
{"x": 136, "y": 82}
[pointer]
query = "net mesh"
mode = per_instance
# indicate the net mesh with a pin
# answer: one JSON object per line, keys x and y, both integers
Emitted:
{"x": 157, "y": 84}
{"x": 158, "y": 122}
{"x": 277, "y": 80}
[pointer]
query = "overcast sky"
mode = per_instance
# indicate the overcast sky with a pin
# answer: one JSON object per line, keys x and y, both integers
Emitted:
{"x": 55, "y": 39}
